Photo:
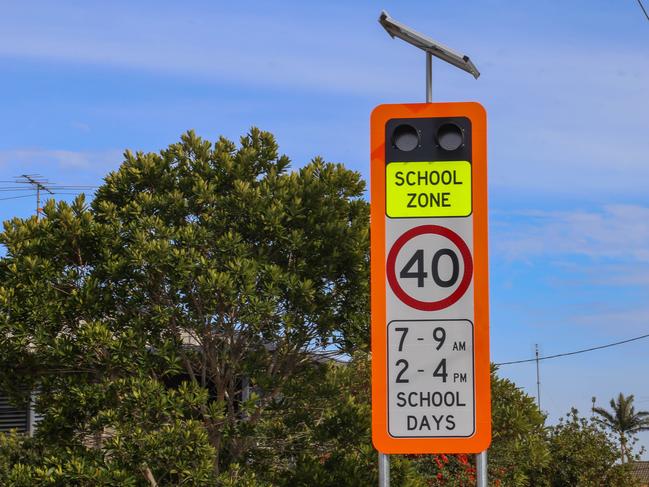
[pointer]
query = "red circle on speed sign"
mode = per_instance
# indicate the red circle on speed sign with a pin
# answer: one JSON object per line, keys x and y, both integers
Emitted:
{"x": 429, "y": 305}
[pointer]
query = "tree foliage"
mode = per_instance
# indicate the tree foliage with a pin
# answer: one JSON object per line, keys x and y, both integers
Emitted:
{"x": 583, "y": 455}
{"x": 519, "y": 451}
{"x": 320, "y": 431}
{"x": 198, "y": 268}
{"x": 624, "y": 421}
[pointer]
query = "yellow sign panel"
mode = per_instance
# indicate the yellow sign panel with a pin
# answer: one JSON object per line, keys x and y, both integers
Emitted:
{"x": 428, "y": 189}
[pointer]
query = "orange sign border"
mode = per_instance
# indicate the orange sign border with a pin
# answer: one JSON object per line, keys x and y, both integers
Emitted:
{"x": 382, "y": 440}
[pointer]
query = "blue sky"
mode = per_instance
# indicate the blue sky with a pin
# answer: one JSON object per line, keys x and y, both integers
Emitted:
{"x": 565, "y": 85}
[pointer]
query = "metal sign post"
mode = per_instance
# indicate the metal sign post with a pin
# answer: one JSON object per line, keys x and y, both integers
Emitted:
{"x": 429, "y": 78}
{"x": 384, "y": 470}
{"x": 481, "y": 469}
{"x": 430, "y": 323}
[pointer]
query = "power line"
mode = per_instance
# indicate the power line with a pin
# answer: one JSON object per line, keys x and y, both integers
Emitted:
{"x": 538, "y": 377}
{"x": 643, "y": 9}
{"x": 15, "y": 190}
{"x": 86, "y": 186}
{"x": 16, "y": 197}
{"x": 6, "y": 189}
{"x": 51, "y": 186}
{"x": 575, "y": 352}
{"x": 36, "y": 182}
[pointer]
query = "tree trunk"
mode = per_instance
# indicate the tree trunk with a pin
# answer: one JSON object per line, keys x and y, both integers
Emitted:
{"x": 148, "y": 474}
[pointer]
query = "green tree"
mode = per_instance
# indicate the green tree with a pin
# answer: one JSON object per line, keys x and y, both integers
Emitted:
{"x": 192, "y": 273}
{"x": 624, "y": 421}
{"x": 519, "y": 451}
{"x": 148, "y": 439}
{"x": 583, "y": 455}
{"x": 320, "y": 432}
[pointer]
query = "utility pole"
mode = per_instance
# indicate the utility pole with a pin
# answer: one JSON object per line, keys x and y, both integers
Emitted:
{"x": 39, "y": 185}
{"x": 538, "y": 378}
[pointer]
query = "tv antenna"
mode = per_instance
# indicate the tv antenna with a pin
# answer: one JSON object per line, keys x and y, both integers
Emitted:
{"x": 39, "y": 184}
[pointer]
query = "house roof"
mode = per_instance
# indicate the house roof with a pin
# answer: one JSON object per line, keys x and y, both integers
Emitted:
{"x": 640, "y": 470}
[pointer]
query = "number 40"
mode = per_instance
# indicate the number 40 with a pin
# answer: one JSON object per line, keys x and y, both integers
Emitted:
{"x": 420, "y": 274}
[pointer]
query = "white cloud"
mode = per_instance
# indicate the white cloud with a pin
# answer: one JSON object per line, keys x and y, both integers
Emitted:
{"x": 218, "y": 45}
{"x": 298, "y": 48}
{"x": 624, "y": 320}
{"x": 634, "y": 274}
{"x": 615, "y": 232}
{"x": 74, "y": 166}
{"x": 564, "y": 118}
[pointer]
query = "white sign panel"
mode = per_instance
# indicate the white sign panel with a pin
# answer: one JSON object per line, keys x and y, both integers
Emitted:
{"x": 429, "y": 304}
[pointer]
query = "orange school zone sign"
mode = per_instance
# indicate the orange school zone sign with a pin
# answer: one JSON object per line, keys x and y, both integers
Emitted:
{"x": 429, "y": 279}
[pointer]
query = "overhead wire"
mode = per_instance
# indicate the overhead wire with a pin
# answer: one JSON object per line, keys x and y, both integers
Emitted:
{"x": 548, "y": 357}
{"x": 643, "y": 9}
{"x": 11, "y": 190}
{"x": 17, "y": 197}
{"x": 20, "y": 186}
{"x": 62, "y": 190}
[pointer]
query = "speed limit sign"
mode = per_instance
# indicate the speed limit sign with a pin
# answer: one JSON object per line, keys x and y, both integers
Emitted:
{"x": 442, "y": 291}
{"x": 430, "y": 323}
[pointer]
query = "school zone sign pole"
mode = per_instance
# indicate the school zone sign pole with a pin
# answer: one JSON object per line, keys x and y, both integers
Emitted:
{"x": 430, "y": 305}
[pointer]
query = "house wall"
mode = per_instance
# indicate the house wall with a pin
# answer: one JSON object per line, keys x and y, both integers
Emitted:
{"x": 12, "y": 417}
